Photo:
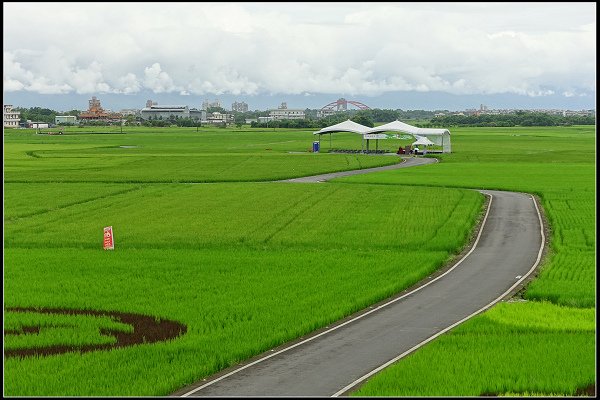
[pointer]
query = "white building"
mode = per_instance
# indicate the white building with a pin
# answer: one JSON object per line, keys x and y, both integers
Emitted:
{"x": 218, "y": 118}
{"x": 166, "y": 112}
{"x": 11, "y": 118}
{"x": 262, "y": 120}
{"x": 65, "y": 119}
{"x": 325, "y": 113}
{"x": 130, "y": 111}
{"x": 286, "y": 113}
{"x": 36, "y": 125}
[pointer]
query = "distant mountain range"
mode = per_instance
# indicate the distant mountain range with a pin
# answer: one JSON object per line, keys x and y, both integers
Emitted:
{"x": 396, "y": 100}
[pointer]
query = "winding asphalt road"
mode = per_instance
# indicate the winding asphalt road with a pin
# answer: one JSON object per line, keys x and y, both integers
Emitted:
{"x": 330, "y": 363}
{"x": 407, "y": 162}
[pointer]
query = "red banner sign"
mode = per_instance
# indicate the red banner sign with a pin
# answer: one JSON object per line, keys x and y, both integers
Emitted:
{"x": 109, "y": 240}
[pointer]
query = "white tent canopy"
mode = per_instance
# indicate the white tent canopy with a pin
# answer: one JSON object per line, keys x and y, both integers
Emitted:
{"x": 439, "y": 137}
{"x": 346, "y": 126}
{"x": 422, "y": 141}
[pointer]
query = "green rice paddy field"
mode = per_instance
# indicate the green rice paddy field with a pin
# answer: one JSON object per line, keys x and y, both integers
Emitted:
{"x": 515, "y": 354}
{"x": 202, "y": 238}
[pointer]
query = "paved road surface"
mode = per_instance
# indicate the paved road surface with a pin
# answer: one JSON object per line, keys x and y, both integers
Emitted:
{"x": 508, "y": 248}
{"x": 408, "y": 162}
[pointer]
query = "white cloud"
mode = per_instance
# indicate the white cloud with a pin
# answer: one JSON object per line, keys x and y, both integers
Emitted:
{"x": 534, "y": 49}
{"x": 128, "y": 84}
{"x": 88, "y": 80}
{"x": 43, "y": 86}
{"x": 14, "y": 74}
{"x": 12, "y": 85}
{"x": 158, "y": 80}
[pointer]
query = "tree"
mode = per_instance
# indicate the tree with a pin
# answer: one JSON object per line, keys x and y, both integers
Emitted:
{"x": 130, "y": 119}
{"x": 363, "y": 120}
{"x": 239, "y": 118}
{"x": 518, "y": 118}
{"x": 72, "y": 112}
{"x": 37, "y": 114}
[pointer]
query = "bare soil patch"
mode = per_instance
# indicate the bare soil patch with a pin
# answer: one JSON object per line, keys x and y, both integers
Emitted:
{"x": 146, "y": 329}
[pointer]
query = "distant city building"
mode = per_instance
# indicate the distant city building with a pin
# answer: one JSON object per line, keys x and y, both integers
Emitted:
{"x": 95, "y": 111}
{"x": 484, "y": 110}
{"x": 263, "y": 120}
{"x": 166, "y": 112}
{"x": 11, "y": 118}
{"x": 129, "y": 111}
{"x": 219, "y": 118}
{"x": 65, "y": 119}
{"x": 250, "y": 120}
{"x": 286, "y": 113}
{"x": 240, "y": 107}
{"x": 206, "y": 104}
{"x": 325, "y": 113}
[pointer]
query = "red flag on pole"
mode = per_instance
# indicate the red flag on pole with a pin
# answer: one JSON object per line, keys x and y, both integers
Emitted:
{"x": 109, "y": 240}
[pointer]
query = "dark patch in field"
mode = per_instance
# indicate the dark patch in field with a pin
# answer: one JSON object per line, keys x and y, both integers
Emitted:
{"x": 589, "y": 390}
{"x": 146, "y": 329}
{"x": 32, "y": 154}
{"x": 23, "y": 330}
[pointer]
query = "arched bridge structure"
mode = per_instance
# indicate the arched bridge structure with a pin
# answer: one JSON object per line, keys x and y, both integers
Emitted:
{"x": 342, "y": 105}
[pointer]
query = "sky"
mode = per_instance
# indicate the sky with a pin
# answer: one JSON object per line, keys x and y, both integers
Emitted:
{"x": 386, "y": 55}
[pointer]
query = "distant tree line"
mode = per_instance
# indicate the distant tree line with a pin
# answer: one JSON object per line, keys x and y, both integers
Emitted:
{"x": 310, "y": 123}
{"x": 369, "y": 117}
{"x": 173, "y": 120}
{"x": 363, "y": 117}
{"x": 38, "y": 114}
{"x": 519, "y": 118}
